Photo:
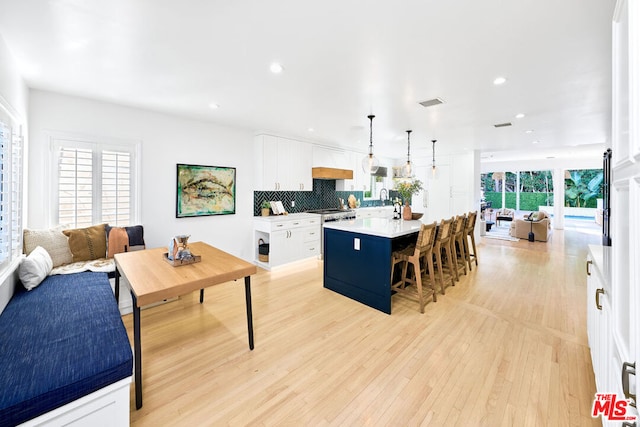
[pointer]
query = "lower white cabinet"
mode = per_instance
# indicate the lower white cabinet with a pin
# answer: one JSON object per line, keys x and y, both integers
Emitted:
{"x": 609, "y": 355}
{"x": 290, "y": 238}
{"x": 599, "y": 317}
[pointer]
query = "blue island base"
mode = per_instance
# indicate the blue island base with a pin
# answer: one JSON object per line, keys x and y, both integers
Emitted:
{"x": 358, "y": 266}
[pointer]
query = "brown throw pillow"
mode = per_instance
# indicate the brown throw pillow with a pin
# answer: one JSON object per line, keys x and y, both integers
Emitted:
{"x": 87, "y": 243}
{"x": 117, "y": 241}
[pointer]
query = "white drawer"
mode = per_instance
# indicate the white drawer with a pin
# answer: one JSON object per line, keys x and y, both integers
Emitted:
{"x": 311, "y": 234}
{"x": 311, "y": 248}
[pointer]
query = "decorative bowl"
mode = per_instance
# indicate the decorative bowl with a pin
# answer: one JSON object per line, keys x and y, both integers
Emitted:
{"x": 416, "y": 215}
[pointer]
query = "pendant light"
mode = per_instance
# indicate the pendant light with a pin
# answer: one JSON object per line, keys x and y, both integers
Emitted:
{"x": 434, "y": 171}
{"x": 370, "y": 163}
{"x": 408, "y": 167}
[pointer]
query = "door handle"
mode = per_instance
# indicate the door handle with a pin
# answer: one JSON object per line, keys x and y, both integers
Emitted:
{"x": 628, "y": 369}
{"x": 588, "y": 264}
{"x": 598, "y": 293}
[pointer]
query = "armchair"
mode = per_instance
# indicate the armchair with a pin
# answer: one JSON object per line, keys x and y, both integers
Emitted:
{"x": 504, "y": 214}
{"x": 541, "y": 227}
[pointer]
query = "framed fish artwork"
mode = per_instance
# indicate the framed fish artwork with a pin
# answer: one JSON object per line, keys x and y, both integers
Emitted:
{"x": 205, "y": 190}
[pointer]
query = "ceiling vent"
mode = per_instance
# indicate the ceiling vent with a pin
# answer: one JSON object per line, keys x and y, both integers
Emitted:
{"x": 502, "y": 125}
{"x": 431, "y": 102}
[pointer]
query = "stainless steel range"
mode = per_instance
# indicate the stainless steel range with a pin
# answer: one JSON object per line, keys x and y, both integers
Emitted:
{"x": 329, "y": 215}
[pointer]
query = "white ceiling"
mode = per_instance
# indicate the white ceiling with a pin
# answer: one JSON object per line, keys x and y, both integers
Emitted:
{"x": 343, "y": 60}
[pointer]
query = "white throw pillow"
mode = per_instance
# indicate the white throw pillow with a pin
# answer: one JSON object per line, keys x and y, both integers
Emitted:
{"x": 35, "y": 267}
{"x": 52, "y": 240}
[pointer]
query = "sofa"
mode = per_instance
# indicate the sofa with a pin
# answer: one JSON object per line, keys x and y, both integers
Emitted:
{"x": 541, "y": 227}
{"x": 64, "y": 351}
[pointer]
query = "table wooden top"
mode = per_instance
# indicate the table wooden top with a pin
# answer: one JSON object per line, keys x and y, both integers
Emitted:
{"x": 152, "y": 279}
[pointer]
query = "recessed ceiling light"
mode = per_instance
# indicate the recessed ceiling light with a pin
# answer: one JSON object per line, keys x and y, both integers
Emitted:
{"x": 276, "y": 68}
{"x": 519, "y": 115}
{"x": 214, "y": 106}
{"x": 499, "y": 80}
{"x": 528, "y": 131}
{"x": 311, "y": 130}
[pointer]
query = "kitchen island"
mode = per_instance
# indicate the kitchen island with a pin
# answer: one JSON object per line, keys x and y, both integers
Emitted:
{"x": 357, "y": 257}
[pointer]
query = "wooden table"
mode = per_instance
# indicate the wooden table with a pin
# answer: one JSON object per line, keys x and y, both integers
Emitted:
{"x": 152, "y": 280}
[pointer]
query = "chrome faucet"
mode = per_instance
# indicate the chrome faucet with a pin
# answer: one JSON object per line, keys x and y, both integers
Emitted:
{"x": 386, "y": 195}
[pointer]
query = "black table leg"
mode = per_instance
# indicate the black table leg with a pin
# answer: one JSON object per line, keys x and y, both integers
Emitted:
{"x": 117, "y": 285}
{"x": 247, "y": 293}
{"x": 201, "y": 296}
{"x": 137, "y": 348}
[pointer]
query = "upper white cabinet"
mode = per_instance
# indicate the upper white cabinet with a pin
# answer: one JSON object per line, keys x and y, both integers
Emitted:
{"x": 325, "y": 157}
{"x": 361, "y": 181}
{"x": 282, "y": 164}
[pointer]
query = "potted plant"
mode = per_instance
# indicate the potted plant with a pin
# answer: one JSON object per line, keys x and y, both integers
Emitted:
{"x": 407, "y": 188}
{"x": 264, "y": 207}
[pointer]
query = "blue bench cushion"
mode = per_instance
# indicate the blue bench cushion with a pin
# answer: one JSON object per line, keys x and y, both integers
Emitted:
{"x": 59, "y": 342}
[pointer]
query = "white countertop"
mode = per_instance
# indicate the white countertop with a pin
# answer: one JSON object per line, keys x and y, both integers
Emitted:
{"x": 381, "y": 227}
{"x": 289, "y": 217}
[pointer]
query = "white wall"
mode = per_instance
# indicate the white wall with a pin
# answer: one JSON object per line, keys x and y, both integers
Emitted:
{"x": 543, "y": 164}
{"x": 13, "y": 94}
{"x": 165, "y": 141}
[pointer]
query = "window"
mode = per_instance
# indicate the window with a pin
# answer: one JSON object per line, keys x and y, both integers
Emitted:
{"x": 95, "y": 183}
{"x": 523, "y": 190}
{"x": 10, "y": 188}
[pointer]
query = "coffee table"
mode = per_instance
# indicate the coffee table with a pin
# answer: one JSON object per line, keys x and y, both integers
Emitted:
{"x": 152, "y": 279}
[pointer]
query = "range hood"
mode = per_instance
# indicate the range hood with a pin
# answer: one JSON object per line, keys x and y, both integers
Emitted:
{"x": 331, "y": 173}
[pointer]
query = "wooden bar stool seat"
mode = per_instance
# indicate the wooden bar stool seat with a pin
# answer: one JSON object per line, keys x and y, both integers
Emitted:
{"x": 469, "y": 238}
{"x": 443, "y": 244}
{"x": 420, "y": 258}
{"x": 458, "y": 252}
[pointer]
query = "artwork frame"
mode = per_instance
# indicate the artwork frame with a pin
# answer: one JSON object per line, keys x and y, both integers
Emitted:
{"x": 205, "y": 190}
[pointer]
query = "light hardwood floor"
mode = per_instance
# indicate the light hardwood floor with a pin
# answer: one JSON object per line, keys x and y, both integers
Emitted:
{"x": 506, "y": 346}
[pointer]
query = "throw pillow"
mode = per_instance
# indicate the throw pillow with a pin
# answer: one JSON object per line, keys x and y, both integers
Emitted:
{"x": 34, "y": 268}
{"x": 124, "y": 239}
{"x": 87, "y": 243}
{"x": 52, "y": 240}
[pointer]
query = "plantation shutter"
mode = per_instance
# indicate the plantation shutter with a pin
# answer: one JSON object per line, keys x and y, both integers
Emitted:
{"x": 116, "y": 187}
{"x": 5, "y": 234}
{"x": 75, "y": 187}
{"x": 95, "y": 183}
{"x": 10, "y": 190}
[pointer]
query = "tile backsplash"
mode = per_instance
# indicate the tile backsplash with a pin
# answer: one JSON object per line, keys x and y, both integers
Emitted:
{"x": 323, "y": 195}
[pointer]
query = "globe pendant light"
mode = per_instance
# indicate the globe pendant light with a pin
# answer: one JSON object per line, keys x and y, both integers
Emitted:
{"x": 408, "y": 167}
{"x": 434, "y": 171}
{"x": 370, "y": 163}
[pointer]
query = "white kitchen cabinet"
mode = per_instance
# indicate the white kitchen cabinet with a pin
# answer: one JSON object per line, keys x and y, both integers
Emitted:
{"x": 282, "y": 164}
{"x": 361, "y": 180}
{"x": 619, "y": 321}
{"x": 291, "y": 238}
{"x": 599, "y": 314}
{"x": 326, "y": 157}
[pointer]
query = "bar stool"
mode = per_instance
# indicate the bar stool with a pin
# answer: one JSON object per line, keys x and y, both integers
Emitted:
{"x": 420, "y": 256}
{"x": 470, "y": 239}
{"x": 443, "y": 244}
{"x": 458, "y": 251}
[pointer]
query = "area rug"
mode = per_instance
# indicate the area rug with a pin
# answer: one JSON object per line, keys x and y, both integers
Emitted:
{"x": 501, "y": 233}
